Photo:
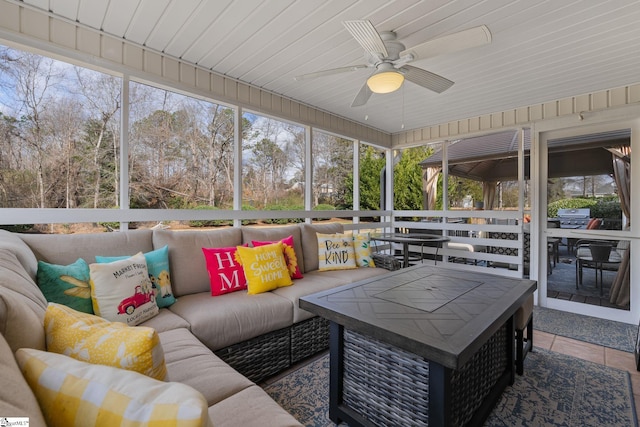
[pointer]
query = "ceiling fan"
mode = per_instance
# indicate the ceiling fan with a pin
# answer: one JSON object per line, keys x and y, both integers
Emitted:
{"x": 390, "y": 59}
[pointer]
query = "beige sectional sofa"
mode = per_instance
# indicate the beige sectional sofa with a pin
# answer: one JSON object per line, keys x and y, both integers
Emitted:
{"x": 221, "y": 346}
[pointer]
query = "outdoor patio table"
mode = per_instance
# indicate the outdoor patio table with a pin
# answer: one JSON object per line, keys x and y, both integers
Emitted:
{"x": 424, "y": 345}
{"x": 407, "y": 239}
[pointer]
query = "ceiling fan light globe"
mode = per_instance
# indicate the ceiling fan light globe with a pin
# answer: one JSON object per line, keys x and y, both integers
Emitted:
{"x": 385, "y": 82}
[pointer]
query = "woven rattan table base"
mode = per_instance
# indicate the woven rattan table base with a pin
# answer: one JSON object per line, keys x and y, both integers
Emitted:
{"x": 390, "y": 386}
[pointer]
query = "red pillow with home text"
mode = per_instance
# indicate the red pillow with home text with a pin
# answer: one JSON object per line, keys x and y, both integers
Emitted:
{"x": 289, "y": 255}
{"x": 225, "y": 272}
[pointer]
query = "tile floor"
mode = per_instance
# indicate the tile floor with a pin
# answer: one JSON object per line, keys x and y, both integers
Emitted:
{"x": 594, "y": 353}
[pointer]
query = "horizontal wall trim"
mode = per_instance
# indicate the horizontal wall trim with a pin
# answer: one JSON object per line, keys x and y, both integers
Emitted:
{"x": 523, "y": 116}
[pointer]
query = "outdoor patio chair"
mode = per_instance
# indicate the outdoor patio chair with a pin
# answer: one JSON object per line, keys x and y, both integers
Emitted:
{"x": 600, "y": 255}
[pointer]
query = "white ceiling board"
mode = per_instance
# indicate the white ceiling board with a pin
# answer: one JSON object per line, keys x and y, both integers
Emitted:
{"x": 145, "y": 19}
{"x": 68, "y": 9}
{"x": 41, "y": 4}
{"x": 92, "y": 13}
{"x": 323, "y": 45}
{"x": 260, "y": 18}
{"x": 273, "y": 38}
{"x": 119, "y": 15}
{"x": 202, "y": 30}
{"x": 542, "y": 50}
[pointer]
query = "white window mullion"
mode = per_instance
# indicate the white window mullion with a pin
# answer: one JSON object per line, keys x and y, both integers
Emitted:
{"x": 237, "y": 163}
{"x": 124, "y": 148}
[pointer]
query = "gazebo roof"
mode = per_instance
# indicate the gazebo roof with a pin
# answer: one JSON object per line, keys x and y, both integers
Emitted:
{"x": 494, "y": 157}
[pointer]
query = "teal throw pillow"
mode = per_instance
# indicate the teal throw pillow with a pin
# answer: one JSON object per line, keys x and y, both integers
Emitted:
{"x": 66, "y": 284}
{"x": 158, "y": 266}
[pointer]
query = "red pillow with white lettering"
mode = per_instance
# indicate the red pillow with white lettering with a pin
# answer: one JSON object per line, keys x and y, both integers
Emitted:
{"x": 289, "y": 255}
{"x": 225, "y": 272}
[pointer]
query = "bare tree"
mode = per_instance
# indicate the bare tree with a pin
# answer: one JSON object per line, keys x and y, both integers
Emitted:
{"x": 34, "y": 77}
{"x": 101, "y": 94}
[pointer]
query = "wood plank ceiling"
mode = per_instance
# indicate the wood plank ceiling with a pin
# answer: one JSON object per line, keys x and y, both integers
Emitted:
{"x": 541, "y": 50}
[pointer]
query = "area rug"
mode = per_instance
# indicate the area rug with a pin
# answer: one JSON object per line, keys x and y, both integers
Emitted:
{"x": 556, "y": 390}
{"x": 618, "y": 335}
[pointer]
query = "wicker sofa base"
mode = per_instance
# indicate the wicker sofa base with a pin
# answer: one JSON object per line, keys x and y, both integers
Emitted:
{"x": 273, "y": 352}
{"x": 389, "y": 386}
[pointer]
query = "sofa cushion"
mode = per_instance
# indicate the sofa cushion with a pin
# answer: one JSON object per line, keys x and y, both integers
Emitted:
{"x": 252, "y": 407}
{"x": 274, "y": 234}
{"x": 312, "y": 282}
{"x": 362, "y": 248}
{"x": 191, "y": 363}
{"x": 317, "y": 281}
{"x": 13, "y": 243}
{"x": 16, "y": 278}
{"x": 231, "y": 318}
{"x": 16, "y": 398}
{"x": 158, "y": 267}
{"x": 335, "y": 252}
{"x": 66, "y": 248}
{"x": 20, "y": 321}
{"x": 92, "y": 339}
{"x": 225, "y": 270}
{"x": 188, "y": 270}
{"x": 165, "y": 321}
{"x": 66, "y": 284}
{"x": 264, "y": 267}
{"x": 121, "y": 291}
{"x": 289, "y": 255}
{"x": 98, "y": 395}
{"x": 310, "y": 241}
{"x": 22, "y": 305}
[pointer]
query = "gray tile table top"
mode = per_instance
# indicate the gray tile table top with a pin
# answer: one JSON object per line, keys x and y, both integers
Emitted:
{"x": 439, "y": 313}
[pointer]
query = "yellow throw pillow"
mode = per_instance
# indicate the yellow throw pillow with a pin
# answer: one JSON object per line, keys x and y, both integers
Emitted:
{"x": 121, "y": 291}
{"x": 264, "y": 267}
{"x": 95, "y": 340}
{"x": 73, "y": 393}
{"x": 362, "y": 248}
{"x": 335, "y": 252}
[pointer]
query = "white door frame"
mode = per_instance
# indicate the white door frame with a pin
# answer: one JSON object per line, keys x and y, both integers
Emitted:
{"x": 585, "y": 123}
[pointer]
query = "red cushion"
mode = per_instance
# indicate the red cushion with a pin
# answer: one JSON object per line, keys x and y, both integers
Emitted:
{"x": 594, "y": 224}
{"x": 289, "y": 255}
{"x": 225, "y": 272}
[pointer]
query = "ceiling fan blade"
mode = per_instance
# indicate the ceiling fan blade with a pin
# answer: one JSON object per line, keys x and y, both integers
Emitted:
{"x": 365, "y": 33}
{"x": 330, "y": 72}
{"x": 426, "y": 79}
{"x": 363, "y": 96}
{"x": 465, "y": 39}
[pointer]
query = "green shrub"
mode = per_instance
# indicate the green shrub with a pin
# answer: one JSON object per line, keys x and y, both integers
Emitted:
{"x": 110, "y": 226}
{"x": 287, "y": 207}
{"x": 323, "y": 207}
{"x": 19, "y": 228}
{"x": 600, "y": 208}
{"x": 578, "y": 203}
{"x": 607, "y": 209}
{"x": 246, "y": 207}
{"x": 209, "y": 222}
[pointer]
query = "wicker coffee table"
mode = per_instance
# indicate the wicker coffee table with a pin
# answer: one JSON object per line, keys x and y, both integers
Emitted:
{"x": 420, "y": 346}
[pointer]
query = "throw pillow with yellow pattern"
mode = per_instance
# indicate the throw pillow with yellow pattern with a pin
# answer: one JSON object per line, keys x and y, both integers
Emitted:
{"x": 95, "y": 340}
{"x": 362, "y": 248}
{"x": 75, "y": 393}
